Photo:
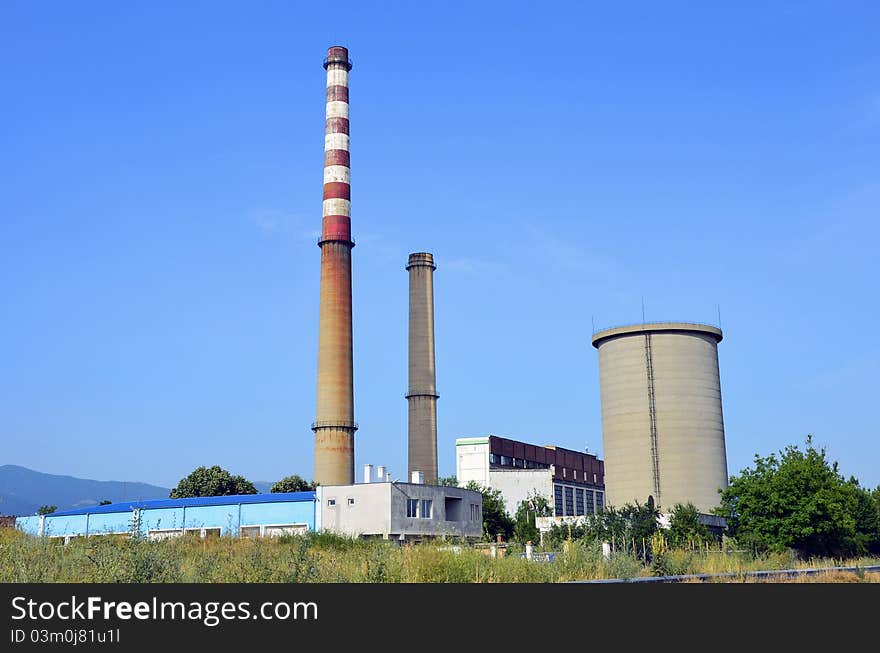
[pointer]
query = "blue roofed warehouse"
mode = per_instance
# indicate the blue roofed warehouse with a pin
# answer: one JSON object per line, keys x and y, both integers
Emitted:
{"x": 245, "y": 515}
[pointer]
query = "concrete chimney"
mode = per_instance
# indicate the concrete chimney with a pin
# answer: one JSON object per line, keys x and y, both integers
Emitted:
{"x": 380, "y": 473}
{"x": 368, "y": 473}
{"x": 334, "y": 424}
{"x": 422, "y": 394}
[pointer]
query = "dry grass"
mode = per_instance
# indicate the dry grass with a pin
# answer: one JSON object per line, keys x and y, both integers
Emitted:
{"x": 328, "y": 559}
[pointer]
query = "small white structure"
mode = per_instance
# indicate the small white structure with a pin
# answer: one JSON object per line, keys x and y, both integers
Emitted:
{"x": 400, "y": 511}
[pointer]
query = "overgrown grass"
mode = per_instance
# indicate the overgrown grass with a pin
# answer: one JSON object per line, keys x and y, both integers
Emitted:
{"x": 324, "y": 558}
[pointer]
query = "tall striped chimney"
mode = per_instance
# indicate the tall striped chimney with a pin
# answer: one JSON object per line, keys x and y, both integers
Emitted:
{"x": 422, "y": 395}
{"x": 334, "y": 424}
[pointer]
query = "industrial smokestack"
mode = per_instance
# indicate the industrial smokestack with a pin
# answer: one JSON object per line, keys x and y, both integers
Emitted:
{"x": 334, "y": 424}
{"x": 422, "y": 395}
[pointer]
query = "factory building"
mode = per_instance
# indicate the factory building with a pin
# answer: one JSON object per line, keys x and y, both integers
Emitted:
{"x": 662, "y": 423}
{"x": 244, "y": 515}
{"x": 390, "y": 510}
{"x": 573, "y": 482}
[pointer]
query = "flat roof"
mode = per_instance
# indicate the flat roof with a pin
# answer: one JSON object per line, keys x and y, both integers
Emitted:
{"x": 148, "y": 504}
{"x": 465, "y": 441}
{"x": 656, "y": 327}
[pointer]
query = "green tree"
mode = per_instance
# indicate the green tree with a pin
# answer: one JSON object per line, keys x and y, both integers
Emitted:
{"x": 46, "y": 510}
{"x": 628, "y": 528}
{"x": 448, "y": 481}
{"x": 685, "y": 529}
{"x": 211, "y": 482}
{"x": 294, "y": 483}
{"x": 524, "y": 528}
{"x": 496, "y": 521}
{"x": 799, "y": 500}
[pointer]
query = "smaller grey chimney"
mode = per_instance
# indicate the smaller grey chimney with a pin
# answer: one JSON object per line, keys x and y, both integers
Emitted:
{"x": 417, "y": 477}
{"x": 368, "y": 473}
{"x": 380, "y": 473}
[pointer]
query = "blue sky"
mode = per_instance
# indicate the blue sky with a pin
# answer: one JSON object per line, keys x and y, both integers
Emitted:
{"x": 162, "y": 170}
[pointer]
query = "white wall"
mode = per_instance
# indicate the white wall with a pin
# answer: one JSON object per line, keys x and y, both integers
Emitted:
{"x": 472, "y": 462}
{"x": 518, "y": 484}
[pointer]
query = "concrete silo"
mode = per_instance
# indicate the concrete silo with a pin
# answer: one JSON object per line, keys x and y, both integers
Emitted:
{"x": 662, "y": 424}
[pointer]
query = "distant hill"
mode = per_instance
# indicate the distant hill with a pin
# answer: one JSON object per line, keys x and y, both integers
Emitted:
{"x": 23, "y": 491}
{"x": 262, "y": 486}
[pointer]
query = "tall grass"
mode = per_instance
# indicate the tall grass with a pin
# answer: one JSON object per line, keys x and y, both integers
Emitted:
{"x": 323, "y": 558}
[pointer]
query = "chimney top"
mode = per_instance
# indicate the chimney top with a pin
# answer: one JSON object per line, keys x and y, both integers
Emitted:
{"x": 422, "y": 259}
{"x": 337, "y": 54}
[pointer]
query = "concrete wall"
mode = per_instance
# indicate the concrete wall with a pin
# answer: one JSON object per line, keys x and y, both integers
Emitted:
{"x": 472, "y": 460}
{"x": 369, "y": 514}
{"x": 691, "y": 461}
{"x": 518, "y": 484}
{"x": 440, "y": 523}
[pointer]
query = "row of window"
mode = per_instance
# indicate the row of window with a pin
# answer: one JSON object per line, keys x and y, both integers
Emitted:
{"x": 331, "y": 503}
{"x": 256, "y": 530}
{"x": 420, "y": 508}
{"x": 253, "y": 530}
{"x": 585, "y": 476}
{"x": 521, "y": 463}
{"x": 575, "y": 501}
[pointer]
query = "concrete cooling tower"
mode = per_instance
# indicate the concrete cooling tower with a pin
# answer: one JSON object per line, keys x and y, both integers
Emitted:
{"x": 662, "y": 424}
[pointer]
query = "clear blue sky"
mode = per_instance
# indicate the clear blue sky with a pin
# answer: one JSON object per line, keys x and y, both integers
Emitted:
{"x": 161, "y": 170}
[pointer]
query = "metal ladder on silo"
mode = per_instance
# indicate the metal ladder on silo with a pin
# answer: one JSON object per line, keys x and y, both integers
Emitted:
{"x": 655, "y": 456}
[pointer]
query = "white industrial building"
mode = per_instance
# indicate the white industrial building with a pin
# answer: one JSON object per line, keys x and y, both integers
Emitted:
{"x": 573, "y": 482}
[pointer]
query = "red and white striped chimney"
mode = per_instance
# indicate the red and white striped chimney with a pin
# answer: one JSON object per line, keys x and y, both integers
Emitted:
{"x": 334, "y": 424}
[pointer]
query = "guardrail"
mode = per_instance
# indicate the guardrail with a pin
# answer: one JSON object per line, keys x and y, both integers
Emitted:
{"x": 772, "y": 573}
{"x": 652, "y": 322}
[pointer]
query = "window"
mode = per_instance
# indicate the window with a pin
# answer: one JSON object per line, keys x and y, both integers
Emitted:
{"x": 505, "y": 460}
{"x": 412, "y": 506}
{"x": 164, "y": 534}
{"x": 475, "y": 512}
{"x": 594, "y": 479}
{"x": 578, "y": 501}
{"x": 427, "y": 509}
{"x": 569, "y": 501}
{"x": 574, "y": 473}
{"x": 453, "y": 508}
{"x": 350, "y": 502}
{"x": 557, "y": 500}
{"x": 493, "y": 459}
{"x": 285, "y": 529}
{"x": 202, "y": 532}
{"x": 600, "y": 500}
{"x": 331, "y": 503}
{"x": 249, "y": 531}
{"x": 590, "y": 508}
{"x": 564, "y": 472}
